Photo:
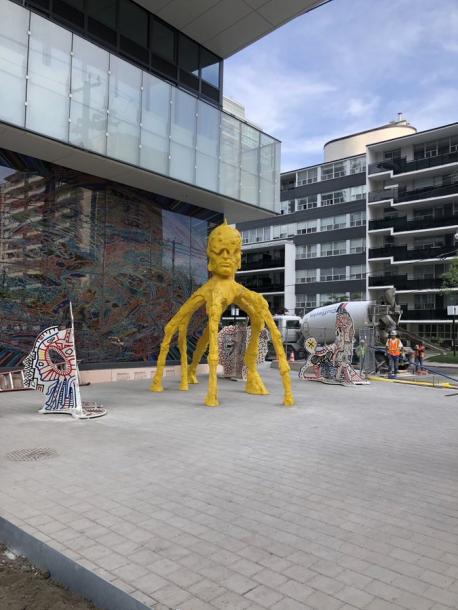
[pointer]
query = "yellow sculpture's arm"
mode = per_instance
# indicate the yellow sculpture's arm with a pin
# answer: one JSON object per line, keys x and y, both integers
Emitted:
{"x": 180, "y": 321}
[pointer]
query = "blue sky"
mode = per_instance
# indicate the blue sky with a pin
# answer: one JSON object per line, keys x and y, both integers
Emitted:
{"x": 347, "y": 66}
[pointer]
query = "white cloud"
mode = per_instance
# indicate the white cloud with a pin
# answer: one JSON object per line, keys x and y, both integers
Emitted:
{"x": 349, "y": 66}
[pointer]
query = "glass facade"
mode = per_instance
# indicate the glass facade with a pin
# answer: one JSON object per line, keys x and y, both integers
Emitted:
{"x": 133, "y": 32}
{"x": 127, "y": 259}
{"x": 62, "y": 86}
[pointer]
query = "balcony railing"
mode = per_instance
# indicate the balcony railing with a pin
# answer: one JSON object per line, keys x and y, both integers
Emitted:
{"x": 401, "y": 282}
{"x": 400, "y": 166}
{"x": 400, "y": 195}
{"x": 402, "y": 253}
{"x": 265, "y": 263}
{"x": 402, "y": 224}
{"x": 424, "y": 314}
{"x": 258, "y": 287}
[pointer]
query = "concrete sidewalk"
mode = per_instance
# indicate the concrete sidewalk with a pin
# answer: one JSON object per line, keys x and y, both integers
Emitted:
{"x": 348, "y": 500}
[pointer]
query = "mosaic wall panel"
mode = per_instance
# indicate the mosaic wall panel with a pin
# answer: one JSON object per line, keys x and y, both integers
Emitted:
{"x": 127, "y": 259}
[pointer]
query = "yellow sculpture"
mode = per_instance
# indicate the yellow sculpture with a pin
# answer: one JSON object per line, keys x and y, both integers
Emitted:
{"x": 224, "y": 251}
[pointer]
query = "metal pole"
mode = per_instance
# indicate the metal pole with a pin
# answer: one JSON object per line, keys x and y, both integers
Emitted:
{"x": 454, "y": 336}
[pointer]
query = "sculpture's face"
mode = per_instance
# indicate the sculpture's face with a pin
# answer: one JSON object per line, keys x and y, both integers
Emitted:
{"x": 224, "y": 251}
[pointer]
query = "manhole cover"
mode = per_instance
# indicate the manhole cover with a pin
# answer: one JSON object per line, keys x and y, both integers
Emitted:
{"x": 31, "y": 455}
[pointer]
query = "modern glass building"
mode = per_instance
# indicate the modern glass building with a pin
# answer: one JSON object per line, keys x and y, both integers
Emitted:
{"x": 116, "y": 159}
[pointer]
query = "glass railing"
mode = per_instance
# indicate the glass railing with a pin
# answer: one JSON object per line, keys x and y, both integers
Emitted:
{"x": 400, "y": 166}
{"x": 402, "y": 224}
{"x": 61, "y": 86}
{"x": 402, "y": 253}
{"x": 424, "y": 314}
{"x": 258, "y": 287}
{"x": 427, "y": 192}
{"x": 401, "y": 282}
{"x": 262, "y": 264}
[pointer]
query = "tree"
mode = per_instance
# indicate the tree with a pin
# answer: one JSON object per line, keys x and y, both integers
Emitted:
{"x": 450, "y": 277}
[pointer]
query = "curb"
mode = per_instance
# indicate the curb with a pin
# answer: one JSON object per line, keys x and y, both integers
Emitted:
{"x": 425, "y": 384}
{"x": 65, "y": 571}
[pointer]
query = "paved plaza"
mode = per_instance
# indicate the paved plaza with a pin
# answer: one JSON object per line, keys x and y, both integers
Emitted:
{"x": 347, "y": 501}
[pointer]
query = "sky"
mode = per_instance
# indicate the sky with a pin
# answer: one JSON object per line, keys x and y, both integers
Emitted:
{"x": 348, "y": 66}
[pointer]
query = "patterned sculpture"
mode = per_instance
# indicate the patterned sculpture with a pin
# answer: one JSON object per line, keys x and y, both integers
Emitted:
{"x": 332, "y": 363}
{"x": 224, "y": 251}
{"x": 58, "y": 381}
{"x": 51, "y": 368}
{"x": 233, "y": 341}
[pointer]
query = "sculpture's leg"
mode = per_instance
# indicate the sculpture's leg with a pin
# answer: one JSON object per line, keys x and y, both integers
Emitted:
{"x": 254, "y": 383}
{"x": 288, "y": 399}
{"x": 215, "y": 311}
{"x": 184, "y": 313}
{"x": 183, "y": 346}
{"x": 201, "y": 346}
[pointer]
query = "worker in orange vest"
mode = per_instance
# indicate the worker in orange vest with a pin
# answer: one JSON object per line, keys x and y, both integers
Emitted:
{"x": 394, "y": 348}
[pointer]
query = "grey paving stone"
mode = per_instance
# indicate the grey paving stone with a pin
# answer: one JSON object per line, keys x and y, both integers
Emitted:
{"x": 348, "y": 499}
{"x": 264, "y": 596}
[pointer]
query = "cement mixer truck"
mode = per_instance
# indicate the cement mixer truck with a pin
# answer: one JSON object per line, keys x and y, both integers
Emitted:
{"x": 374, "y": 320}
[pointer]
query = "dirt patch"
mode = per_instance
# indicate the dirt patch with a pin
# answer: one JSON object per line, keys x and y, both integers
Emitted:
{"x": 23, "y": 587}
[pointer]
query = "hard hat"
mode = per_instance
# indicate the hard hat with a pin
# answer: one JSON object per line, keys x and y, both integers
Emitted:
{"x": 393, "y": 332}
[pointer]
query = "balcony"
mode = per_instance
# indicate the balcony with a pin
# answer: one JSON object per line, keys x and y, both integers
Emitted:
{"x": 266, "y": 262}
{"x": 262, "y": 287}
{"x": 401, "y": 166}
{"x": 401, "y": 224}
{"x": 70, "y": 91}
{"x": 402, "y": 253}
{"x": 401, "y": 196}
{"x": 423, "y": 314}
{"x": 401, "y": 282}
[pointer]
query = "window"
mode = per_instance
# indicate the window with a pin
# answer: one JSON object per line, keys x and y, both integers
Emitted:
{"x": 328, "y": 299}
{"x": 287, "y": 182}
{"x": 357, "y": 272}
{"x": 309, "y": 226}
{"x": 333, "y": 170}
{"x": 358, "y": 245}
{"x": 309, "y": 251}
{"x": 283, "y": 231}
{"x": 334, "y": 198}
{"x": 334, "y": 248}
{"x": 306, "y": 276}
{"x": 327, "y": 224}
{"x": 102, "y": 20}
{"x": 307, "y": 203}
{"x": 357, "y": 192}
{"x": 307, "y": 176}
{"x": 287, "y": 207}
{"x": 389, "y": 155}
{"x": 340, "y": 222}
{"x": 358, "y": 165}
{"x": 357, "y": 219}
{"x": 333, "y": 274}
{"x": 163, "y": 41}
{"x": 188, "y": 55}
{"x": 304, "y": 301}
{"x": 426, "y": 243}
{"x": 256, "y": 235}
{"x": 425, "y": 301}
{"x": 133, "y": 24}
{"x": 210, "y": 67}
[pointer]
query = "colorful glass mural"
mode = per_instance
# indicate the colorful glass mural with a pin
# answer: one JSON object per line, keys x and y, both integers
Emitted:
{"x": 126, "y": 258}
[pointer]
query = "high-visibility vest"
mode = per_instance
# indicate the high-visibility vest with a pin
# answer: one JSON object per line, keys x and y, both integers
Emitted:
{"x": 394, "y": 347}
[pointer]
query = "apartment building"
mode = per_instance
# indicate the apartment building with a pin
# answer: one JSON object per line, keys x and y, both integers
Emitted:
{"x": 413, "y": 224}
{"x": 116, "y": 160}
{"x": 323, "y": 212}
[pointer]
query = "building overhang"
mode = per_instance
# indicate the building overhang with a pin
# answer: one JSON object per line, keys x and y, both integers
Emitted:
{"x": 227, "y": 26}
{"x": 32, "y": 144}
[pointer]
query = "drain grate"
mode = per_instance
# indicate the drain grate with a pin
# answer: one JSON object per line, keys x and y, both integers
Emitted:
{"x": 31, "y": 455}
